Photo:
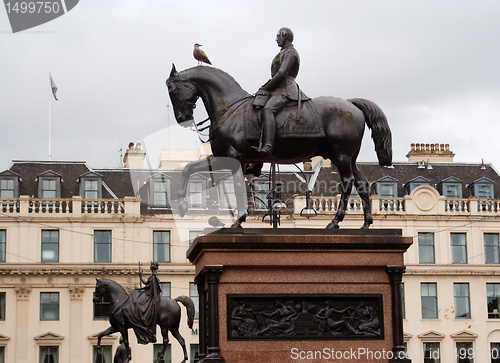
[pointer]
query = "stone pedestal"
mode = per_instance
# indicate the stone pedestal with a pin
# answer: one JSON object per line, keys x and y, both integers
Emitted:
{"x": 288, "y": 295}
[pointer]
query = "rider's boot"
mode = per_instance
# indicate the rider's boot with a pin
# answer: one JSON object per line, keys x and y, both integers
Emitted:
{"x": 269, "y": 130}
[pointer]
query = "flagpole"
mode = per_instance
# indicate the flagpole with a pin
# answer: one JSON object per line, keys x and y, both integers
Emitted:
{"x": 50, "y": 121}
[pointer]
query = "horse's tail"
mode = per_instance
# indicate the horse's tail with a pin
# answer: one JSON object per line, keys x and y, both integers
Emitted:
{"x": 190, "y": 308}
{"x": 381, "y": 133}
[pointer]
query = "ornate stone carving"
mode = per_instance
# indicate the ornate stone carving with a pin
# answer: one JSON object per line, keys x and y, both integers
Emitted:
{"x": 23, "y": 292}
{"x": 76, "y": 292}
{"x": 299, "y": 317}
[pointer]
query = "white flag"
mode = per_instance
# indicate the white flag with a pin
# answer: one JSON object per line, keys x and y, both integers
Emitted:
{"x": 53, "y": 87}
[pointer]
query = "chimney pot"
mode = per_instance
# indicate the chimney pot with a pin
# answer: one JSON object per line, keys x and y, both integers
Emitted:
{"x": 412, "y": 147}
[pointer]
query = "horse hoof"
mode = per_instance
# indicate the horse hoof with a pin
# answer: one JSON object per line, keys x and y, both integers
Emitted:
{"x": 332, "y": 225}
{"x": 183, "y": 208}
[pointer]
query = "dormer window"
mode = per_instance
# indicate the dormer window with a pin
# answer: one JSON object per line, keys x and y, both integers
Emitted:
{"x": 416, "y": 182}
{"x": 7, "y": 189}
{"x": 90, "y": 185}
{"x": 450, "y": 188}
{"x": 482, "y": 188}
{"x": 49, "y": 185}
{"x": 9, "y": 184}
{"x": 158, "y": 191}
{"x": 387, "y": 187}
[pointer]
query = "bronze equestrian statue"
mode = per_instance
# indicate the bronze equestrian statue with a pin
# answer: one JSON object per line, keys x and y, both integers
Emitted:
{"x": 324, "y": 126}
{"x": 135, "y": 310}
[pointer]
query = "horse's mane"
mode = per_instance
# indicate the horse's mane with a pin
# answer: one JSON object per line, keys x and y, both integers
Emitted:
{"x": 210, "y": 71}
{"x": 113, "y": 283}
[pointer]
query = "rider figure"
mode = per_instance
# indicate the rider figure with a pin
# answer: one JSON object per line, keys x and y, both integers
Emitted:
{"x": 152, "y": 290}
{"x": 281, "y": 88}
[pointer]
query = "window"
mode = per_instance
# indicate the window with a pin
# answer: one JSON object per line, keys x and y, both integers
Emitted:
{"x": 7, "y": 188}
{"x": 160, "y": 193}
{"x": 227, "y": 194}
{"x": 428, "y": 293}
{"x": 2, "y": 354}
{"x": 49, "y": 188}
{"x": 91, "y": 189}
{"x": 451, "y": 188}
{"x": 49, "y": 306}
{"x": 412, "y": 184}
{"x": 165, "y": 289}
{"x": 195, "y": 194}
{"x": 482, "y": 188}
{"x": 2, "y": 306}
{"x": 491, "y": 248}
{"x": 50, "y": 246}
{"x": 462, "y": 300}
{"x": 161, "y": 246}
{"x": 106, "y": 352}
{"x": 193, "y": 294}
{"x": 493, "y": 295}
{"x": 101, "y": 309}
{"x": 458, "y": 247}
{"x": 465, "y": 352}
{"x": 3, "y": 245}
{"x": 49, "y": 354}
{"x": 102, "y": 246}
{"x": 431, "y": 353}
{"x": 387, "y": 187}
{"x": 167, "y": 357}
{"x": 426, "y": 248}
{"x": 495, "y": 352}
{"x": 193, "y": 352}
{"x": 193, "y": 235}
{"x": 260, "y": 193}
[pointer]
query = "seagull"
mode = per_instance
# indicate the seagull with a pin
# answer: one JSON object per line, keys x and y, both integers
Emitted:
{"x": 200, "y": 55}
{"x": 215, "y": 222}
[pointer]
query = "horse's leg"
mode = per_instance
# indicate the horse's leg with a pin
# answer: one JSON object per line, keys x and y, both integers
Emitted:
{"x": 343, "y": 163}
{"x": 239, "y": 186}
{"x": 164, "y": 334}
{"x": 108, "y": 331}
{"x": 180, "y": 339}
{"x": 124, "y": 333}
{"x": 362, "y": 187}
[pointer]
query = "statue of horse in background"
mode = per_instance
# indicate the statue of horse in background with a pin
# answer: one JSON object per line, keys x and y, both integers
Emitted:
{"x": 168, "y": 317}
{"x": 340, "y": 124}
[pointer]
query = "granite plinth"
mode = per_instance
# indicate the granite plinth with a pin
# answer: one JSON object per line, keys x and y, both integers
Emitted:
{"x": 292, "y": 262}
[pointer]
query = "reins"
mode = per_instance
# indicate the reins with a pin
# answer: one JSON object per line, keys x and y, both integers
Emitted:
{"x": 214, "y": 116}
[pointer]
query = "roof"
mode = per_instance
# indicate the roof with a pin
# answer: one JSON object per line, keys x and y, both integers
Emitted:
{"x": 119, "y": 183}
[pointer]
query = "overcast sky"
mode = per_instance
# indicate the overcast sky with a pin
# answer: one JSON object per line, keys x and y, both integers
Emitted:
{"x": 431, "y": 65}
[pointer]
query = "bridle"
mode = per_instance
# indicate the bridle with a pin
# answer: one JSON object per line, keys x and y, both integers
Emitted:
{"x": 195, "y": 126}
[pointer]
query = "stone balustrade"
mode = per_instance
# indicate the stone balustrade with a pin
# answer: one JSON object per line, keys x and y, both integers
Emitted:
{"x": 73, "y": 207}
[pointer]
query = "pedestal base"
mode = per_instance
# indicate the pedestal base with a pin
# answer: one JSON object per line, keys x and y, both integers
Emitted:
{"x": 281, "y": 295}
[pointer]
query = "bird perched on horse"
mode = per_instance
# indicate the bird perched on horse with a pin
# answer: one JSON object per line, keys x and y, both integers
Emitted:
{"x": 200, "y": 55}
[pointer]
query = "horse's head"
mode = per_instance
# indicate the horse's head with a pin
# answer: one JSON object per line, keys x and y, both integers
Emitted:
{"x": 183, "y": 96}
{"x": 100, "y": 291}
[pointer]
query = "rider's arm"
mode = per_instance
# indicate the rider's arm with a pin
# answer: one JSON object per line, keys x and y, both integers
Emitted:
{"x": 286, "y": 67}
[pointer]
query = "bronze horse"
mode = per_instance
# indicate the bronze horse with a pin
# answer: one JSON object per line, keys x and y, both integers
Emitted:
{"x": 342, "y": 124}
{"x": 168, "y": 318}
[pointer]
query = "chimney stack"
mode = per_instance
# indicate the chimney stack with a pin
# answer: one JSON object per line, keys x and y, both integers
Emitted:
{"x": 134, "y": 156}
{"x": 430, "y": 153}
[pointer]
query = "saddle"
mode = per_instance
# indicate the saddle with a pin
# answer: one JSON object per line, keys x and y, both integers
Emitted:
{"x": 290, "y": 121}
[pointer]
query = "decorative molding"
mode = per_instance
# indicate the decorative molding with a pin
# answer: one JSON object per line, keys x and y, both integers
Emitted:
{"x": 464, "y": 336}
{"x": 431, "y": 336}
{"x": 4, "y": 338}
{"x": 23, "y": 292}
{"x": 49, "y": 338}
{"x": 76, "y": 292}
{"x": 106, "y": 340}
